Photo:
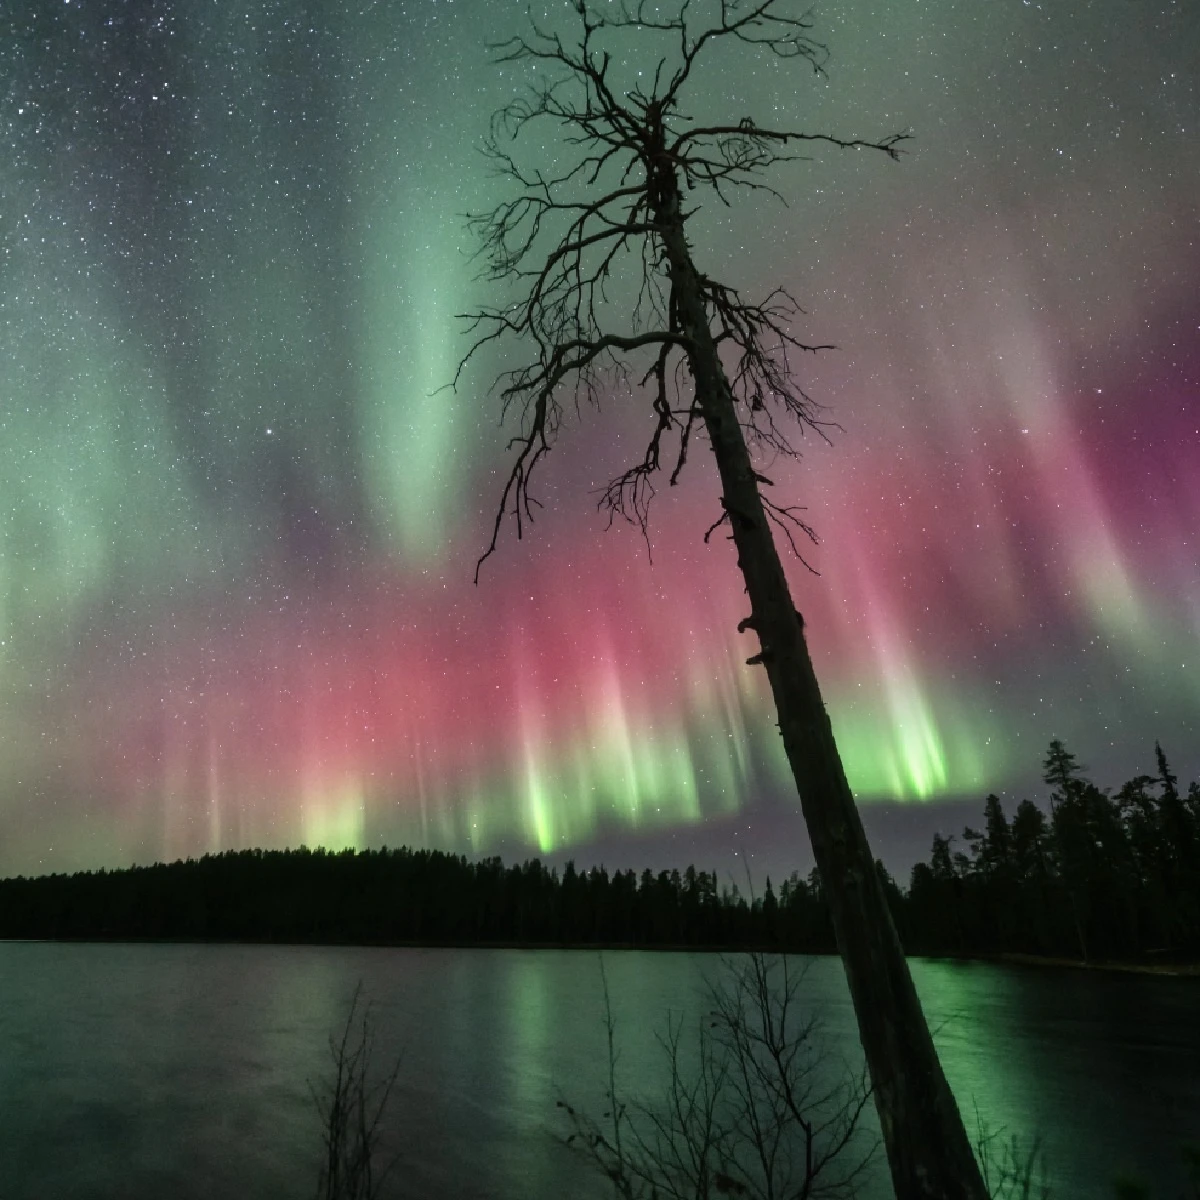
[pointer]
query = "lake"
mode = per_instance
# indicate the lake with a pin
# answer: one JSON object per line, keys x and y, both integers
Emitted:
{"x": 145, "y": 1071}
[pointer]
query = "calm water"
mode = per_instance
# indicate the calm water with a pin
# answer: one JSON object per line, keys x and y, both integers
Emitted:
{"x": 184, "y": 1071}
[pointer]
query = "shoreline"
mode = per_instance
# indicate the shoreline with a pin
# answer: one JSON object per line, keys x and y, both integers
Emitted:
{"x": 1174, "y": 970}
{"x": 1170, "y": 970}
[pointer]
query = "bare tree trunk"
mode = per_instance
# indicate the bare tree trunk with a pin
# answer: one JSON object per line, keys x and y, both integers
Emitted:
{"x": 928, "y": 1150}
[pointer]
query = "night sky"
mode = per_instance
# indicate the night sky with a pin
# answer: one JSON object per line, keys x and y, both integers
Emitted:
{"x": 239, "y": 518}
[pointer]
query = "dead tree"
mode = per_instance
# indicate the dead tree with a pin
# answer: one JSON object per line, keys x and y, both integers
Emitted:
{"x": 602, "y": 293}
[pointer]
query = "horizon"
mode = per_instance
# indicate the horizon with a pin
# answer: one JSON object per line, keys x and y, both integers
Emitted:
{"x": 735, "y": 856}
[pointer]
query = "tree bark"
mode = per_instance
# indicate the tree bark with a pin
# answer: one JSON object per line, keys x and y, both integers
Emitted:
{"x": 928, "y": 1151}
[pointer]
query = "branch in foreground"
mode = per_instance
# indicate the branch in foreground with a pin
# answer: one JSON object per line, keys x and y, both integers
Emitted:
{"x": 753, "y": 1106}
{"x": 351, "y": 1107}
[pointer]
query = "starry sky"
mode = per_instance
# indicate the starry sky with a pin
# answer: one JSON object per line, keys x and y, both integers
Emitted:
{"x": 240, "y": 511}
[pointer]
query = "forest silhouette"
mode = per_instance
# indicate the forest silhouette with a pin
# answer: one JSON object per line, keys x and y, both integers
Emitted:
{"x": 1100, "y": 876}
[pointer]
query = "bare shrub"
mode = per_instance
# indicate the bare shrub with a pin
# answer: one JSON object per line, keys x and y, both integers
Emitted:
{"x": 1012, "y": 1169}
{"x": 351, "y": 1105}
{"x": 756, "y": 1108}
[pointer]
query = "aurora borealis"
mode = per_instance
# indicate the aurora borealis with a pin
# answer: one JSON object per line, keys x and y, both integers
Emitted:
{"x": 239, "y": 511}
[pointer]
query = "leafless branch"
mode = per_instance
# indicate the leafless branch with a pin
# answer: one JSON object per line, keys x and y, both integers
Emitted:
{"x": 753, "y": 1107}
{"x": 580, "y": 245}
{"x": 351, "y": 1106}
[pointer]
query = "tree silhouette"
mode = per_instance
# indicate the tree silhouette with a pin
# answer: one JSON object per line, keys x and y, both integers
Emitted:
{"x": 997, "y": 847}
{"x": 706, "y": 358}
{"x": 1062, "y": 771}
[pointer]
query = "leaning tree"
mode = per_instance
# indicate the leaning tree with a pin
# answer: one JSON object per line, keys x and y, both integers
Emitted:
{"x": 601, "y": 290}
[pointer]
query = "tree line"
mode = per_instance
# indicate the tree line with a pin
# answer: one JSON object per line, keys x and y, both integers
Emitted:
{"x": 1100, "y": 875}
{"x": 1103, "y": 875}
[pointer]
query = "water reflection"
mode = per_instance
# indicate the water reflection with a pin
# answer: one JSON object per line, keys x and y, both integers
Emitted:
{"x": 143, "y": 1071}
{"x": 1104, "y": 1069}
{"x": 974, "y": 1012}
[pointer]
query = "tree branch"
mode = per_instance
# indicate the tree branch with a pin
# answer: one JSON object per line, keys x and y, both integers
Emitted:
{"x": 581, "y": 247}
